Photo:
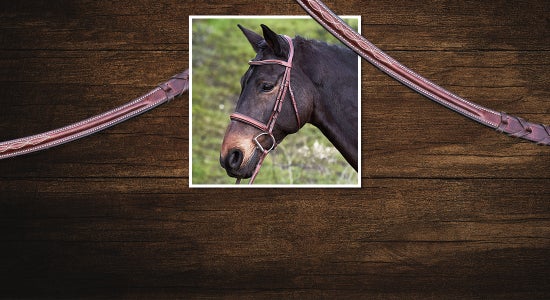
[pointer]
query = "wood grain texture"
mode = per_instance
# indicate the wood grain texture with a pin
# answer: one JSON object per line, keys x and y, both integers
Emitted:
{"x": 447, "y": 209}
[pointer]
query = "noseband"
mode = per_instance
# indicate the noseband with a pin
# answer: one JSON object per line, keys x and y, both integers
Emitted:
{"x": 267, "y": 128}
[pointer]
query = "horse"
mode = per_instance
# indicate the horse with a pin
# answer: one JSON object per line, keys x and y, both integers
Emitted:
{"x": 289, "y": 83}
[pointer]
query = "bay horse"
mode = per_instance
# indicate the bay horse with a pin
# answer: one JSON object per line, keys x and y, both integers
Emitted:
{"x": 289, "y": 83}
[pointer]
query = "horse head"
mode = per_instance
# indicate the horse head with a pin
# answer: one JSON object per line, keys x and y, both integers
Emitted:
{"x": 269, "y": 107}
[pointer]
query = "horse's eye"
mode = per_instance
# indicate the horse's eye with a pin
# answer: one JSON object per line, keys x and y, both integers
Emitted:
{"x": 267, "y": 87}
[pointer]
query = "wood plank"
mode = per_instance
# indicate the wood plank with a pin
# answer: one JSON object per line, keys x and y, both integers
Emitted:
{"x": 426, "y": 237}
{"x": 447, "y": 208}
{"x": 437, "y": 142}
{"x": 162, "y": 24}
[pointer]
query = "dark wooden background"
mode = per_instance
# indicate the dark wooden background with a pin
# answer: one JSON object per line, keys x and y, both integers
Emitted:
{"x": 448, "y": 208}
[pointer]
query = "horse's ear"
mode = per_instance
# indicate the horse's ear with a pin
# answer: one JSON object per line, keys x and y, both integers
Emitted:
{"x": 274, "y": 41}
{"x": 253, "y": 38}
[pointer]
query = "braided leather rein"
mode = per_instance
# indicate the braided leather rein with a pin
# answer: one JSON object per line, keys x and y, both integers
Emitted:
{"x": 267, "y": 128}
{"x": 502, "y": 122}
{"x": 163, "y": 93}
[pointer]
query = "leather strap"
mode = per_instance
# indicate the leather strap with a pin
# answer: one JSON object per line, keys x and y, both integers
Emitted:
{"x": 502, "y": 122}
{"x": 267, "y": 128}
{"x": 163, "y": 93}
{"x": 513, "y": 126}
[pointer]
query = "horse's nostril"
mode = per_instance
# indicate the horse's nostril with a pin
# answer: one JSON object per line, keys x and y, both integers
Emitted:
{"x": 234, "y": 159}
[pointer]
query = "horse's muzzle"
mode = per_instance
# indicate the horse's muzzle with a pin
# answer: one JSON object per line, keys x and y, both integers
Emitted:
{"x": 234, "y": 159}
{"x": 232, "y": 164}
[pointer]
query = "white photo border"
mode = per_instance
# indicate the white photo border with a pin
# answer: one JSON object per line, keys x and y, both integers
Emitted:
{"x": 191, "y": 185}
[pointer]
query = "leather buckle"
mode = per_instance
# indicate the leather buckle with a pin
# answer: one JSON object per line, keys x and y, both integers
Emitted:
{"x": 260, "y": 147}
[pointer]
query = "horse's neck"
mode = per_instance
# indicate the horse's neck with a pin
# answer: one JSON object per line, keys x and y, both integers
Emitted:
{"x": 335, "y": 110}
{"x": 339, "y": 124}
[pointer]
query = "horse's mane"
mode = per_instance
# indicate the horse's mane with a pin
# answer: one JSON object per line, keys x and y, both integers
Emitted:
{"x": 337, "y": 59}
{"x": 316, "y": 44}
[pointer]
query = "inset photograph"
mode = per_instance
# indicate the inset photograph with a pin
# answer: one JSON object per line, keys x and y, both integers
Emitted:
{"x": 274, "y": 102}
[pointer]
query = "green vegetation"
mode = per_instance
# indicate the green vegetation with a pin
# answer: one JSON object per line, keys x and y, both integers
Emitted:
{"x": 220, "y": 54}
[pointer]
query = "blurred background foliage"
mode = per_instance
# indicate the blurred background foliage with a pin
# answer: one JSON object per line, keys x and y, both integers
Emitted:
{"x": 219, "y": 57}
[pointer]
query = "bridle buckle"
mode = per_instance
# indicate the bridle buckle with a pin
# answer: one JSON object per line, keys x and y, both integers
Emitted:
{"x": 259, "y": 145}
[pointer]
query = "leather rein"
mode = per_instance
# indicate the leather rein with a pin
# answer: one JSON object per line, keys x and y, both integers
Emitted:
{"x": 267, "y": 128}
{"x": 163, "y": 93}
{"x": 502, "y": 122}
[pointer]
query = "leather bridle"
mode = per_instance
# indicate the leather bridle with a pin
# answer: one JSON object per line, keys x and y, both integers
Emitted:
{"x": 267, "y": 128}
